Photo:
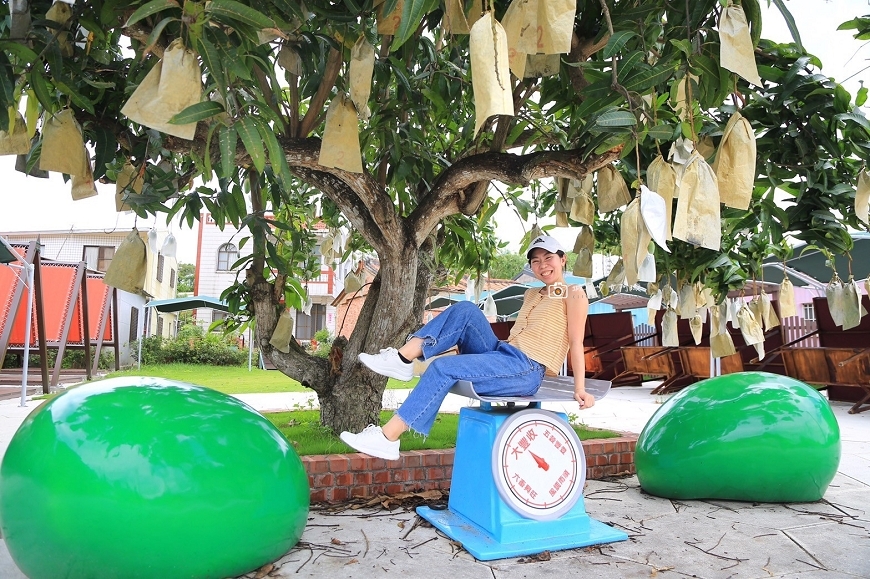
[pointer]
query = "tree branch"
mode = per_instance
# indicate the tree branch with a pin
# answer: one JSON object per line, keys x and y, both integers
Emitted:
{"x": 504, "y": 167}
{"x": 315, "y": 107}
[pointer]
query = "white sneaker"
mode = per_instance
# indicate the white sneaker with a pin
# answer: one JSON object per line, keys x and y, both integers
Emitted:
{"x": 388, "y": 363}
{"x": 373, "y": 442}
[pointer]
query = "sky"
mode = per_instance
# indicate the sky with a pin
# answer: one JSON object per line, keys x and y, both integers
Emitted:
{"x": 30, "y": 204}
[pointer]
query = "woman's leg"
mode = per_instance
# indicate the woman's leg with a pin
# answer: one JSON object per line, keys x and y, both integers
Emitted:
{"x": 462, "y": 324}
{"x": 506, "y": 371}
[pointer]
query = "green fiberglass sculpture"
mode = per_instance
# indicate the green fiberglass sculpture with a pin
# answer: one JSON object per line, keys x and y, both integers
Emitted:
{"x": 750, "y": 436}
{"x": 149, "y": 478}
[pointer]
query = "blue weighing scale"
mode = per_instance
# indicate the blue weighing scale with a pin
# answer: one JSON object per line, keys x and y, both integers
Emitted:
{"x": 518, "y": 477}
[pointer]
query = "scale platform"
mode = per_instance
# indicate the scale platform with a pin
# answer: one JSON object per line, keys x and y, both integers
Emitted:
{"x": 492, "y": 515}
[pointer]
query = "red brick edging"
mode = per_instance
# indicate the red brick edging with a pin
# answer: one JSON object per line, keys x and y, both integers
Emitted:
{"x": 339, "y": 477}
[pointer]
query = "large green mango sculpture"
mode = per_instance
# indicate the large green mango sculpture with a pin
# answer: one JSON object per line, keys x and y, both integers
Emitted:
{"x": 751, "y": 436}
{"x": 145, "y": 478}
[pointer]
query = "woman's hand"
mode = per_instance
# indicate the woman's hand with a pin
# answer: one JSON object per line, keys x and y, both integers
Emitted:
{"x": 585, "y": 399}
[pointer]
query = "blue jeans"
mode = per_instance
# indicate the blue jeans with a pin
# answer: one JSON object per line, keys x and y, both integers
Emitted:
{"x": 494, "y": 367}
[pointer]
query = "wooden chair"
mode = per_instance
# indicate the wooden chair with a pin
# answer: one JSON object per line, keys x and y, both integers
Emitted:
{"x": 828, "y": 367}
{"x": 655, "y": 361}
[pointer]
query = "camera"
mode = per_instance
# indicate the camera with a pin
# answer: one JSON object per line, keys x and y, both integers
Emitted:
{"x": 557, "y": 290}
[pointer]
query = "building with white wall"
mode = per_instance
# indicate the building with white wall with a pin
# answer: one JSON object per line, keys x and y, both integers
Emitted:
{"x": 96, "y": 247}
{"x": 218, "y": 250}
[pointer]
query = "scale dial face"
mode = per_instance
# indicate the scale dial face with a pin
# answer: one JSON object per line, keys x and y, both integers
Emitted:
{"x": 538, "y": 464}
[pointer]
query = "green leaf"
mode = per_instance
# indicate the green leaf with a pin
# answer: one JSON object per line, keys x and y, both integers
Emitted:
{"x": 789, "y": 21}
{"x": 276, "y": 155}
{"x": 646, "y": 79}
{"x": 150, "y": 8}
{"x": 412, "y": 14}
{"x": 616, "y": 118}
{"x": 855, "y": 118}
{"x": 40, "y": 88}
{"x": 79, "y": 99}
{"x": 212, "y": 60}
{"x": 24, "y": 54}
{"x": 247, "y": 129}
{"x": 227, "y": 139}
{"x": 198, "y": 112}
{"x": 155, "y": 34}
{"x": 861, "y": 97}
{"x": 238, "y": 11}
{"x": 616, "y": 42}
{"x": 661, "y": 132}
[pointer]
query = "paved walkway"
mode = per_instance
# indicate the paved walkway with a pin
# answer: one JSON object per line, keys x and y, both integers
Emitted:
{"x": 705, "y": 539}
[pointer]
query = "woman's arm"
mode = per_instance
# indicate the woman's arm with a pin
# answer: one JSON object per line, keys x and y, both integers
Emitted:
{"x": 577, "y": 309}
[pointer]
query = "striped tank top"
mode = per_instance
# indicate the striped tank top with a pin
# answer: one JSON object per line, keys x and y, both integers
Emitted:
{"x": 541, "y": 329}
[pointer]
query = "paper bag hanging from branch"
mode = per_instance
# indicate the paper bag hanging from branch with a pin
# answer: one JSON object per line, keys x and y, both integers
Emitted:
{"x": 555, "y": 26}
{"x": 629, "y": 227}
{"x": 835, "y": 293}
{"x": 853, "y": 310}
{"x": 654, "y": 213}
{"x": 662, "y": 178}
{"x": 862, "y": 198}
{"x": 289, "y": 60}
{"x": 518, "y": 32}
{"x": 563, "y": 202}
{"x": 63, "y": 148}
{"x": 388, "y": 24}
{"x": 687, "y": 306}
{"x": 172, "y": 85}
{"x": 340, "y": 147}
{"x": 129, "y": 181}
{"x": 584, "y": 247}
{"x": 283, "y": 333}
{"x": 15, "y": 141}
{"x": 787, "y": 307}
{"x": 735, "y": 163}
{"x": 540, "y": 65}
{"x": 769, "y": 316}
{"x": 696, "y": 326}
{"x": 127, "y": 269}
{"x": 60, "y": 12}
{"x": 670, "y": 339}
{"x": 612, "y": 190}
{"x": 490, "y": 75}
{"x": 697, "y": 218}
{"x": 83, "y": 184}
{"x": 736, "y": 52}
{"x": 751, "y": 330}
{"x": 362, "y": 66}
{"x": 457, "y": 21}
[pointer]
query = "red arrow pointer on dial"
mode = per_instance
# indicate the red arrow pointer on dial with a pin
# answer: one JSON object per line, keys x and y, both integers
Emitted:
{"x": 541, "y": 462}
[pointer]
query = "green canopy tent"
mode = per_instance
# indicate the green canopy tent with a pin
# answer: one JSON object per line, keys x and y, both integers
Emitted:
{"x": 810, "y": 267}
{"x": 189, "y": 303}
{"x": 7, "y": 254}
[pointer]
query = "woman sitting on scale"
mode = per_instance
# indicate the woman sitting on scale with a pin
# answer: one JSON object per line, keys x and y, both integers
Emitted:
{"x": 550, "y": 323}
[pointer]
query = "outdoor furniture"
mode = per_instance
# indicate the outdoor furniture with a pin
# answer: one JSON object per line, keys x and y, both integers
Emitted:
{"x": 832, "y": 367}
{"x": 833, "y": 336}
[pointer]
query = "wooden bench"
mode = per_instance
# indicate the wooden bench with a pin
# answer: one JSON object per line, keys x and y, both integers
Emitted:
{"x": 825, "y": 367}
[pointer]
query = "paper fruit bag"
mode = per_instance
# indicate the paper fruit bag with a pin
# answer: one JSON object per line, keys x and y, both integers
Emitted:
{"x": 457, "y": 21}
{"x": 835, "y": 292}
{"x": 15, "y": 141}
{"x": 289, "y": 60}
{"x": 283, "y": 333}
{"x": 388, "y": 24}
{"x": 490, "y": 75}
{"x": 540, "y": 65}
{"x": 736, "y": 52}
{"x": 340, "y": 147}
{"x": 83, "y": 184}
{"x": 128, "y": 267}
{"x": 662, "y": 178}
{"x": 362, "y": 66}
{"x": 628, "y": 233}
{"x": 787, "y": 307}
{"x": 751, "y": 330}
{"x": 670, "y": 339}
{"x": 735, "y": 163}
{"x": 172, "y": 85}
{"x": 697, "y": 218}
{"x": 612, "y": 190}
{"x": 129, "y": 181}
{"x": 862, "y": 197}
{"x": 63, "y": 148}
{"x": 853, "y": 310}
{"x": 584, "y": 247}
{"x": 555, "y": 26}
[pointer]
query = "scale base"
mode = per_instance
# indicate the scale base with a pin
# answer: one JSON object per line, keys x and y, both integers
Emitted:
{"x": 537, "y": 535}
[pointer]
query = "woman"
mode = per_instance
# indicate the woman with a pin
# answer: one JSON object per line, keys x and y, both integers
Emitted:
{"x": 550, "y": 323}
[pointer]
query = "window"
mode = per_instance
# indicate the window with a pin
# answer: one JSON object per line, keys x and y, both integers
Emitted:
{"x": 98, "y": 257}
{"x": 134, "y": 325}
{"x": 307, "y": 326}
{"x": 172, "y": 277}
{"x": 217, "y": 315}
{"x": 160, "y": 326}
{"x": 809, "y": 311}
{"x": 160, "y": 261}
{"x": 228, "y": 254}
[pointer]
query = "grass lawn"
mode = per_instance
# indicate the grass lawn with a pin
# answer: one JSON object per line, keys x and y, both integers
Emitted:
{"x": 232, "y": 379}
{"x": 302, "y": 428}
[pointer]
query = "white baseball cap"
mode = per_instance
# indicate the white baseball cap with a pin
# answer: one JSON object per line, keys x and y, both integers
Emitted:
{"x": 545, "y": 242}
